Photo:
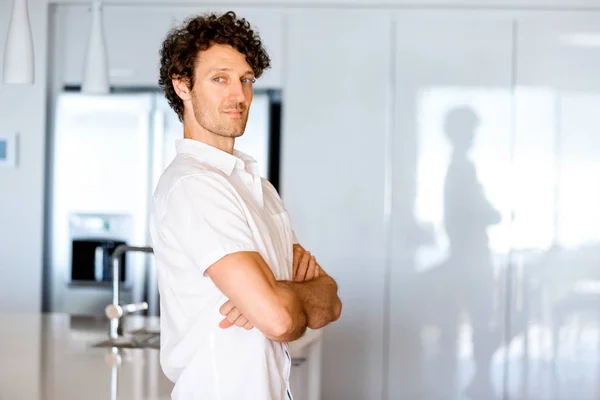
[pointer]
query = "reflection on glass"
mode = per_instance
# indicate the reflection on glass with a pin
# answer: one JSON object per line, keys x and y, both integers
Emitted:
{"x": 464, "y": 148}
{"x": 467, "y": 216}
{"x": 488, "y": 153}
{"x": 485, "y": 196}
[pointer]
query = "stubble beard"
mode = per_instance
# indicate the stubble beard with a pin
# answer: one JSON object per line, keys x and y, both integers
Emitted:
{"x": 221, "y": 124}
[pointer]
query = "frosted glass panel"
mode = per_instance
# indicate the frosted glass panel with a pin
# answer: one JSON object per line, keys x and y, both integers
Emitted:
{"x": 336, "y": 114}
{"x": 533, "y": 167}
{"x": 451, "y": 206}
{"x": 579, "y": 171}
{"x": 556, "y": 280}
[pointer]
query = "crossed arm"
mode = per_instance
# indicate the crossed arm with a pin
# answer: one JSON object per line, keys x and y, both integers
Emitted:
{"x": 207, "y": 219}
{"x": 281, "y": 310}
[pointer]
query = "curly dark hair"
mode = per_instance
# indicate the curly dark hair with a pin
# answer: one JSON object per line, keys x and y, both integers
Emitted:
{"x": 181, "y": 46}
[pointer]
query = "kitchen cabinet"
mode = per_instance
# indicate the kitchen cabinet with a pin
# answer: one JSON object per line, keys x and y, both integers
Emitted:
{"x": 556, "y": 251}
{"x": 452, "y": 144}
{"x": 336, "y": 125}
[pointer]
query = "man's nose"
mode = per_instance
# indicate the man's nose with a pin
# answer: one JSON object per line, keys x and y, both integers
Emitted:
{"x": 236, "y": 93}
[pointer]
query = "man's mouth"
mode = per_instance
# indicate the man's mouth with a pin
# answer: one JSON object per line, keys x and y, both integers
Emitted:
{"x": 234, "y": 112}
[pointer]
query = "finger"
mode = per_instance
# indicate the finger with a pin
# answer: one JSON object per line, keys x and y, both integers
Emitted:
{"x": 312, "y": 267}
{"x": 303, "y": 266}
{"x": 296, "y": 259}
{"x": 321, "y": 271}
{"x": 233, "y": 315}
{"x": 310, "y": 271}
{"x": 226, "y": 308}
{"x": 317, "y": 270}
{"x": 298, "y": 247}
{"x": 225, "y": 323}
{"x": 241, "y": 321}
{"x": 248, "y": 326}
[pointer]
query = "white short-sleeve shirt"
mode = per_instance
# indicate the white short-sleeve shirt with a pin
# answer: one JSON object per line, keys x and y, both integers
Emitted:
{"x": 207, "y": 204}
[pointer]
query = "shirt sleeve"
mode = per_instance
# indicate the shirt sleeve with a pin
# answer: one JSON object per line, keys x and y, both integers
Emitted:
{"x": 206, "y": 217}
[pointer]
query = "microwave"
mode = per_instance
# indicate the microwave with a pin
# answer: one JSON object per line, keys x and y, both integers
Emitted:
{"x": 90, "y": 260}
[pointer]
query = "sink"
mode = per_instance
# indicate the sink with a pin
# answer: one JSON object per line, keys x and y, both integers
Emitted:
{"x": 137, "y": 339}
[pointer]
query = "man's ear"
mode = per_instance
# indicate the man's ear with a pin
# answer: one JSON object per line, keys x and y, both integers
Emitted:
{"x": 182, "y": 88}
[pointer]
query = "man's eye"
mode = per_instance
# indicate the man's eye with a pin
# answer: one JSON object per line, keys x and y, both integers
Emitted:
{"x": 218, "y": 79}
{"x": 249, "y": 80}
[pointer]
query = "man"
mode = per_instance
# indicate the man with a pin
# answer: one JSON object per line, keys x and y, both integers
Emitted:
{"x": 235, "y": 286}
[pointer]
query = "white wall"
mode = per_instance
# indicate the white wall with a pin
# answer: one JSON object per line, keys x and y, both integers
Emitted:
{"x": 22, "y": 110}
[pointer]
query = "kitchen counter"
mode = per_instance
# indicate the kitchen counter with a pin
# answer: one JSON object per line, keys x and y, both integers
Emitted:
{"x": 52, "y": 357}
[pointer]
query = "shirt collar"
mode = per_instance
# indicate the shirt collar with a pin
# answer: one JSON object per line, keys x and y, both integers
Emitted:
{"x": 216, "y": 157}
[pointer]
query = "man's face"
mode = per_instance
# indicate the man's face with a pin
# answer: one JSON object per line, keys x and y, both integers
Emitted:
{"x": 222, "y": 91}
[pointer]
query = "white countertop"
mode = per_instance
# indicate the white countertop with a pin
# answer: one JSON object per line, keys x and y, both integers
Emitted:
{"x": 51, "y": 357}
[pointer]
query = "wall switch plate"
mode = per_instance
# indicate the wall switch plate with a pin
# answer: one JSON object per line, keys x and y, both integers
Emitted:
{"x": 8, "y": 150}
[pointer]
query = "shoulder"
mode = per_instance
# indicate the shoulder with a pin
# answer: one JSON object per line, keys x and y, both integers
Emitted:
{"x": 188, "y": 175}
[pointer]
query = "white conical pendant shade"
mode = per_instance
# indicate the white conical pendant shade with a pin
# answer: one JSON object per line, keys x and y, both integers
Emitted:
{"x": 95, "y": 73}
{"x": 18, "y": 53}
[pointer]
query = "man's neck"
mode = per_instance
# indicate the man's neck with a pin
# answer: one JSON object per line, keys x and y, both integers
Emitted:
{"x": 202, "y": 135}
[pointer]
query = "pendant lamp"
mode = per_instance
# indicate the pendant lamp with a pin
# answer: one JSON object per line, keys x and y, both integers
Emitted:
{"x": 95, "y": 73}
{"x": 18, "y": 53}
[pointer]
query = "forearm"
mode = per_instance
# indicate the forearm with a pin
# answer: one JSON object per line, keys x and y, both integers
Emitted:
{"x": 319, "y": 300}
{"x": 297, "y": 321}
{"x": 281, "y": 310}
{"x": 250, "y": 286}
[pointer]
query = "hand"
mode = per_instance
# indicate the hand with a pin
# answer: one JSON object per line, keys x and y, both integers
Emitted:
{"x": 305, "y": 265}
{"x": 233, "y": 317}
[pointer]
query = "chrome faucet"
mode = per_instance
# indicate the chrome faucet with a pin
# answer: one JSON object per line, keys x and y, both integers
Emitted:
{"x": 115, "y": 311}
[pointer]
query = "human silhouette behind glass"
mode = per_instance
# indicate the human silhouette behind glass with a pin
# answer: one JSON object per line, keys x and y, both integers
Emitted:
{"x": 467, "y": 216}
